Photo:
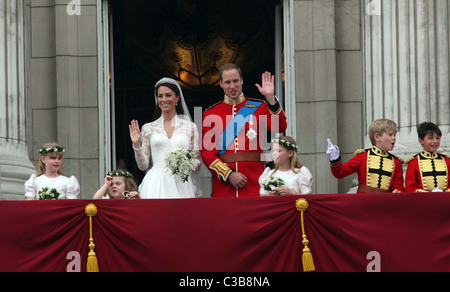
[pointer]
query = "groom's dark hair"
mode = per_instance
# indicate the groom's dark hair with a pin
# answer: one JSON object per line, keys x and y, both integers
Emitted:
{"x": 228, "y": 67}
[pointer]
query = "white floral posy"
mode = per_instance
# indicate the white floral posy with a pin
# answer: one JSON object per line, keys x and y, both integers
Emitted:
{"x": 180, "y": 163}
{"x": 48, "y": 194}
{"x": 273, "y": 183}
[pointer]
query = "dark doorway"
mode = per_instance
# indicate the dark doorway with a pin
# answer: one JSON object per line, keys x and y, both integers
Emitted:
{"x": 187, "y": 40}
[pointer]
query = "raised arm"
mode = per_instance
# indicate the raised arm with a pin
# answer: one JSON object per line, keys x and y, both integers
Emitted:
{"x": 141, "y": 144}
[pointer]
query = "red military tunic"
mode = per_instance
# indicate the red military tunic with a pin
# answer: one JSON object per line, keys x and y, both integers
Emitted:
{"x": 428, "y": 171}
{"x": 378, "y": 171}
{"x": 243, "y": 153}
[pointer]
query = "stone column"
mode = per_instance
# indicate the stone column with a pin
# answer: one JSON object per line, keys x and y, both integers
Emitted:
{"x": 14, "y": 162}
{"x": 329, "y": 85}
{"x": 316, "y": 96}
{"x": 406, "y": 45}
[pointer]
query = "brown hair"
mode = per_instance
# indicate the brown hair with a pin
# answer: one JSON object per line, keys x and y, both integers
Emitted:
{"x": 130, "y": 183}
{"x": 41, "y": 167}
{"x": 295, "y": 161}
{"x": 228, "y": 67}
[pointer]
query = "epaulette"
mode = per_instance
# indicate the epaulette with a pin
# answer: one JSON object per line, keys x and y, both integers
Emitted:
{"x": 400, "y": 159}
{"x": 359, "y": 151}
{"x": 409, "y": 159}
{"x": 219, "y": 102}
{"x": 448, "y": 156}
{"x": 256, "y": 99}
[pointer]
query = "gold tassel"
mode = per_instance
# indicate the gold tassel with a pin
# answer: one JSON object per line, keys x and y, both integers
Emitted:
{"x": 92, "y": 263}
{"x": 307, "y": 258}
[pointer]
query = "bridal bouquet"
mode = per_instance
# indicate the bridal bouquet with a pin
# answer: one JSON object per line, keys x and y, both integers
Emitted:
{"x": 273, "y": 183}
{"x": 180, "y": 163}
{"x": 48, "y": 194}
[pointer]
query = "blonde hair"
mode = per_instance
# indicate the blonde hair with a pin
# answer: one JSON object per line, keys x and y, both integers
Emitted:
{"x": 41, "y": 167}
{"x": 295, "y": 161}
{"x": 380, "y": 127}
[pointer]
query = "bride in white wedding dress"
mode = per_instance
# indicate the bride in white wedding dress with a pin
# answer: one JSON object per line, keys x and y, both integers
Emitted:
{"x": 173, "y": 130}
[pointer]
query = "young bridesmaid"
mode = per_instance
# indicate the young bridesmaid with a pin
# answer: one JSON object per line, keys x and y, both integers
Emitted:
{"x": 50, "y": 176}
{"x": 297, "y": 178}
{"x": 119, "y": 184}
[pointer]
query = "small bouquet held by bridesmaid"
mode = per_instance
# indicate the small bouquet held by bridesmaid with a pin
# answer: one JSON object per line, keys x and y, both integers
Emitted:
{"x": 180, "y": 163}
{"x": 48, "y": 194}
{"x": 273, "y": 183}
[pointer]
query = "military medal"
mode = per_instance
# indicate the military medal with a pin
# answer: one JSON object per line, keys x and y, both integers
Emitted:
{"x": 251, "y": 134}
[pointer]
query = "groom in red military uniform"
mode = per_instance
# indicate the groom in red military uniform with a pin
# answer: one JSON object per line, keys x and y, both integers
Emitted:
{"x": 232, "y": 130}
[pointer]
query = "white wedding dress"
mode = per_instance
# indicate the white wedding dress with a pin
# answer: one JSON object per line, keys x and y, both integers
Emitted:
{"x": 159, "y": 182}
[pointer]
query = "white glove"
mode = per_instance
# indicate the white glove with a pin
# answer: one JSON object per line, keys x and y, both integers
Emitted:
{"x": 437, "y": 190}
{"x": 332, "y": 151}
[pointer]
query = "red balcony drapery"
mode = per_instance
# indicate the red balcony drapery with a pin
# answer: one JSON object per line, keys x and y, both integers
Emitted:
{"x": 409, "y": 232}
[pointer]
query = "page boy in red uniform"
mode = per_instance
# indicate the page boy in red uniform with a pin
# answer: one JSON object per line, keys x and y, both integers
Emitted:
{"x": 378, "y": 170}
{"x": 428, "y": 171}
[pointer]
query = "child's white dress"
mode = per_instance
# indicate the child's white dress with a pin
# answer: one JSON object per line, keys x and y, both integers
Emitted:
{"x": 68, "y": 188}
{"x": 300, "y": 182}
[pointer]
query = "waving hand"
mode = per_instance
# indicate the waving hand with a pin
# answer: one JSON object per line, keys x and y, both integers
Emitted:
{"x": 267, "y": 87}
{"x": 135, "y": 134}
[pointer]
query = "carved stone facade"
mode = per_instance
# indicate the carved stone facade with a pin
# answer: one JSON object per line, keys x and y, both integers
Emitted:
{"x": 406, "y": 74}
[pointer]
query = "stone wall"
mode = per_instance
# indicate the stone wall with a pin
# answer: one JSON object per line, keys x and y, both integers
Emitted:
{"x": 62, "y": 86}
{"x": 407, "y": 68}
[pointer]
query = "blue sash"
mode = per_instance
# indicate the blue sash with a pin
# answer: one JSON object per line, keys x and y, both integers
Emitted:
{"x": 236, "y": 125}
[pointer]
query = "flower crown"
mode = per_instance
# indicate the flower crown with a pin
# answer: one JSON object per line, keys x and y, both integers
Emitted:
{"x": 57, "y": 149}
{"x": 287, "y": 144}
{"x": 120, "y": 173}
